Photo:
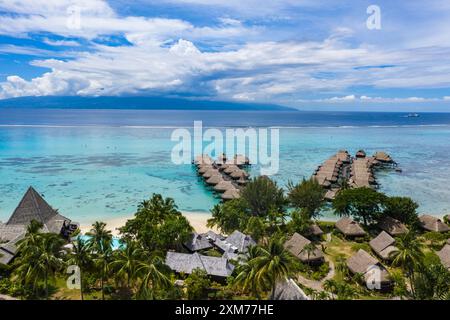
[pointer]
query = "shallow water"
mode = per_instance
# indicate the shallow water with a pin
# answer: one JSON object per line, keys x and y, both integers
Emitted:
{"x": 103, "y": 171}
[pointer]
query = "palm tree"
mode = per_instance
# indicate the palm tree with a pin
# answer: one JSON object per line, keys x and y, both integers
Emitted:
{"x": 272, "y": 264}
{"x": 152, "y": 271}
{"x": 126, "y": 261}
{"x": 246, "y": 272}
{"x": 341, "y": 265}
{"x": 309, "y": 249}
{"x": 81, "y": 257}
{"x": 100, "y": 241}
{"x": 408, "y": 256}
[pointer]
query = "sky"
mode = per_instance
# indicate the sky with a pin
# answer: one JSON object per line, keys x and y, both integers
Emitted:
{"x": 308, "y": 54}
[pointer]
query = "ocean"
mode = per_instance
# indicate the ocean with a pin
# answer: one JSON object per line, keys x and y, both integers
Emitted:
{"x": 99, "y": 164}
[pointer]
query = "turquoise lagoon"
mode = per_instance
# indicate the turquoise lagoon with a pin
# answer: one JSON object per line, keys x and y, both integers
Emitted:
{"x": 101, "y": 171}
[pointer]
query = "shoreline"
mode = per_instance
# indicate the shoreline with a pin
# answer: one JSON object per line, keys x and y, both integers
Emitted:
{"x": 197, "y": 220}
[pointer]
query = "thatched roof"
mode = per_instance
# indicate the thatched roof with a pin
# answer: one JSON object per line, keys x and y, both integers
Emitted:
{"x": 431, "y": 223}
{"x": 223, "y": 186}
{"x": 314, "y": 230}
{"x": 198, "y": 242}
{"x": 363, "y": 263}
{"x": 215, "y": 179}
{"x": 444, "y": 255}
{"x": 231, "y": 194}
{"x": 187, "y": 263}
{"x": 211, "y": 172}
{"x": 239, "y": 174}
{"x": 296, "y": 245}
{"x": 392, "y": 226}
{"x": 203, "y": 168}
{"x": 382, "y": 157}
{"x": 203, "y": 159}
{"x": 383, "y": 245}
{"x": 288, "y": 290}
{"x": 350, "y": 228}
{"x": 361, "y": 154}
{"x": 236, "y": 242}
{"x": 230, "y": 168}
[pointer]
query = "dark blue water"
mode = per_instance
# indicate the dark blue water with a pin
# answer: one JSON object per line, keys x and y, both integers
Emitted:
{"x": 60, "y": 117}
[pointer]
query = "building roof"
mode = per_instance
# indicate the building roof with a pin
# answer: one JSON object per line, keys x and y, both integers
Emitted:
{"x": 444, "y": 255}
{"x": 383, "y": 245}
{"x": 187, "y": 263}
{"x": 363, "y": 263}
{"x": 314, "y": 230}
{"x": 431, "y": 223}
{"x": 289, "y": 290}
{"x": 236, "y": 242}
{"x": 349, "y": 227}
{"x": 34, "y": 207}
{"x": 197, "y": 242}
{"x": 392, "y": 226}
{"x": 296, "y": 245}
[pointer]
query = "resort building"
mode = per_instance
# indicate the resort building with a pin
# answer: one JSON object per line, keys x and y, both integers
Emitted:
{"x": 392, "y": 226}
{"x": 314, "y": 230}
{"x": 431, "y": 223}
{"x": 364, "y": 264}
{"x": 444, "y": 256}
{"x": 297, "y": 246}
{"x": 235, "y": 244}
{"x": 198, "y": 242}
{"x": 289, "y": 290}
{"x": 216, "y": 267}
{"x": 350, "y": 228}
{"x": 31, "y": 207}
{"x": 383, "y": 245}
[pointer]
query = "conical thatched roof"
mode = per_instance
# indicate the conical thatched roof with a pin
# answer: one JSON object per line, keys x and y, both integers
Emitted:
{"x": 239, "y": 174}
{"x": 211, "y": 172}
{"x": 215, "y": 179}
{"x": 382, "y": 157}
{"x": 444, "y": 256}
{"x": 231, "y": 168}
{"x": 431, "y": 223}
{"x": 231, "y": 194}
{"x": 203, "y": 168}
{"x": 223, "y": 186}
{"x": 203, "y": 159}
{"x": 361, "y": 154}
{"x": 296, "y": 245}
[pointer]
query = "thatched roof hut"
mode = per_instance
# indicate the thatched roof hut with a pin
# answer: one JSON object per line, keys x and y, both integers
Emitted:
{"x": 383, "y": 245}
{"x": 211, "y": 172}
{"x": 314, "y": 230}
{"x": 360, "y": 154}
{"x": 241, "y": 160}
{"x": 444, "y": 256}
{"x": 203, "y": 159}
{"x": 215, "y": 179}
{"x": 382, "y": 156}
{"x": 431, "y": 223}
{"x": 231, "y": 194}
{"x": 223, "y": 186}
{"x": 204, "y": 167}
{"x": 363, "y": 263}
{"x": 187, "y": 263}
{"x": 239, "y": 174}
{"x": 231, "y": 168}
{"x": 289, "y": 290}
{"x": 296, "y": 245}
{"x": 350, "y": 228}
{"x": 392, "y": 226}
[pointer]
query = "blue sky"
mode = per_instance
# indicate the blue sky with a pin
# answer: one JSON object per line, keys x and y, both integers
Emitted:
{"x": 309, "y": 54}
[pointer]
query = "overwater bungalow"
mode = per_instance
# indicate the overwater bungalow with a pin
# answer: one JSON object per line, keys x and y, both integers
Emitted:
{"x": 239, "y": 174}
{"x": 360, "y": 154}
{"x": 287, "y": 289}
{"x": 223, "y": 186}
{"x": 214, "y": 180}
{"x": 217, "y": 267}
{"x": 296, "y": 245}
{"x": 363, "y": 263}
{"x": 350, "y": 228}
{"x": 203, "y": 168}
{"x": 444, "y": 256}
{"x": 211, "y": 172}
{"x": 383, "y": 157}
{"x": 383, "y": 245}
{"x": 392, "y": 226}
{"x": 231, "y": 194}
{"x": 431, "y": 223}
{"x": 31, "y": 207}
{"x": 203, "y": 159}
{"x": 231, "y": 168}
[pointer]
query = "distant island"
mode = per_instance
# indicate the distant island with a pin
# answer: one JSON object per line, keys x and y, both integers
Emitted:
{"x": 137, "y": 103}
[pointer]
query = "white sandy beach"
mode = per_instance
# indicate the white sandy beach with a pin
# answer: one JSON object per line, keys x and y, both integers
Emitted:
{"x": 197, "y": 220}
